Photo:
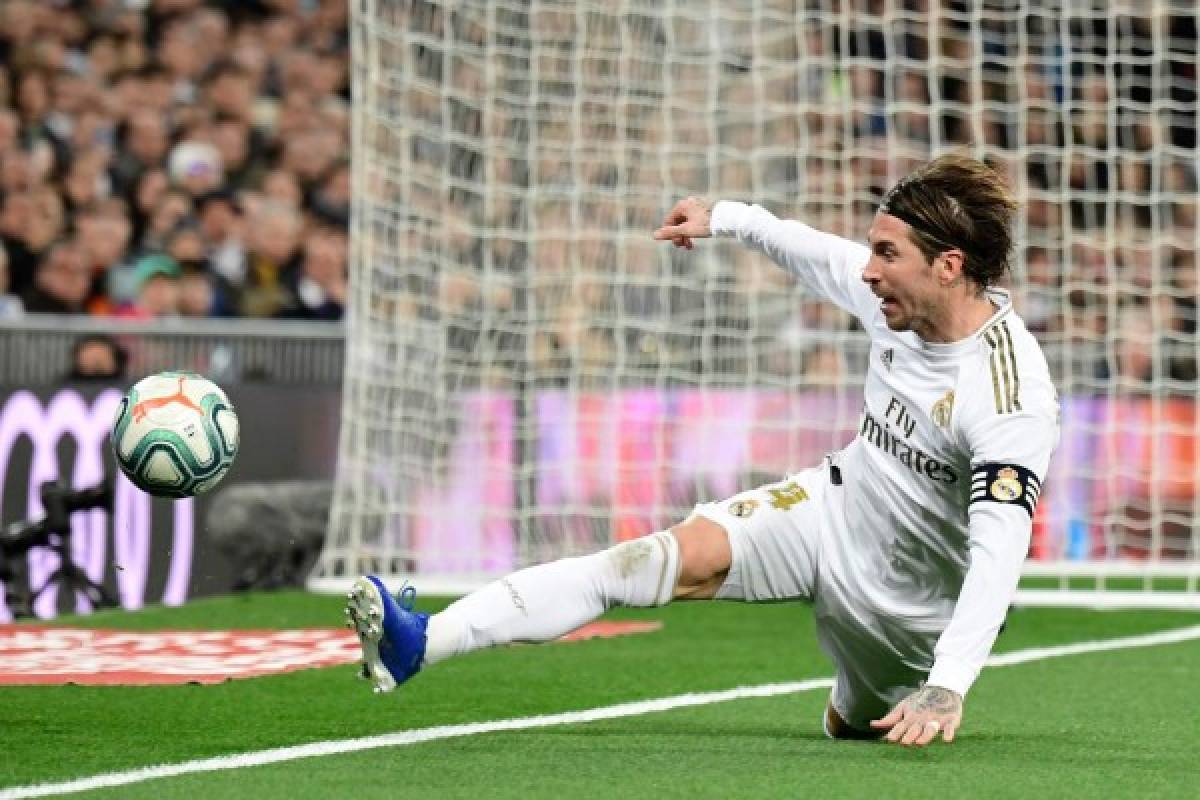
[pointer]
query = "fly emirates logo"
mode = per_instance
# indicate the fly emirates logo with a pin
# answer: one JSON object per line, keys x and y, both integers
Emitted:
{"x": 891, "y": 440}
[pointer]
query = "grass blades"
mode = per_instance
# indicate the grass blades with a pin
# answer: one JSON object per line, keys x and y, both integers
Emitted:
{"x": 1105, "y": 724}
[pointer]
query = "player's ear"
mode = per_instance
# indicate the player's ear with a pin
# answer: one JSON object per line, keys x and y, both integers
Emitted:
{"x": 950, "y": 266}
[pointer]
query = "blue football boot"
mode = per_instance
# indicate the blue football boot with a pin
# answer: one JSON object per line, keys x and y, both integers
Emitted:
{"x": 391, "y": 633}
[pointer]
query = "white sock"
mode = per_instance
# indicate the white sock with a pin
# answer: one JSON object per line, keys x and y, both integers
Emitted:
{"x": 542, "y": 603}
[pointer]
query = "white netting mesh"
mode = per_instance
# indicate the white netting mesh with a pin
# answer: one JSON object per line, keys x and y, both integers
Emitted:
{"x": 530, "y": 375}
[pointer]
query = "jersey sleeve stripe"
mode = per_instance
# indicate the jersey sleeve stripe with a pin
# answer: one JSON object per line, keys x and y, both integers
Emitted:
{"x": 1012, "y": 360}
{"x": 1003, "y": 364}
{"x": 987, "y": 337}
{"x": 1001, "y": 350}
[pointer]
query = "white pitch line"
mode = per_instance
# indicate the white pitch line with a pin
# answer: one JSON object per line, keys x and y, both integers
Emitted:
{"x": 1079, "y": 648}
{"x": 315, "y": 749}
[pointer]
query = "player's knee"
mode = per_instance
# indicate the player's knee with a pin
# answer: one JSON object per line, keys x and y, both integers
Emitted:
{"x": 704, "y": 557}
{"x": 640, "y": 572}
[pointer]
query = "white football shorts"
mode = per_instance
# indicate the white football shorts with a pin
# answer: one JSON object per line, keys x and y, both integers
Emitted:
{"x": 778, "y": 534}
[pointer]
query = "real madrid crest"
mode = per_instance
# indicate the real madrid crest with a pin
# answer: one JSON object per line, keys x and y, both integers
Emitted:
{"x": 743, "y": 508}
{"x": 1007, "y": 486}
{"x": 942, "y": 410}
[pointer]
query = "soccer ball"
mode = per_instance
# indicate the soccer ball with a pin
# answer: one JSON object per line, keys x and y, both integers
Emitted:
{"x": 175, "y": 434}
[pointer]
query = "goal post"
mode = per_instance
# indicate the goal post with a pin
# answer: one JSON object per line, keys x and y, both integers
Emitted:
{"x": 530, "y": 376}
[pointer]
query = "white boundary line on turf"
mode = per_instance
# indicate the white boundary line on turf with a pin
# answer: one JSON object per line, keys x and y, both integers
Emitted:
{"x": 315, "y": 749}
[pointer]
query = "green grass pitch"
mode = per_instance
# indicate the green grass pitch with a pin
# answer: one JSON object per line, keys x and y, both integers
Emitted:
{"x": 1111, "y": 724}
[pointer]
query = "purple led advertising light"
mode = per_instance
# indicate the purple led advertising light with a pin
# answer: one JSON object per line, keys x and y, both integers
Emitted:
{"x": 67, "y": 414}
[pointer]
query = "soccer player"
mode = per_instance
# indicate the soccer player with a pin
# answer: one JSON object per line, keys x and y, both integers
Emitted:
{"x": 908, "y": 542}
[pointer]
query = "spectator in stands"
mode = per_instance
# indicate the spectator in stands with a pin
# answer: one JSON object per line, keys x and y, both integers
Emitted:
{"x": 311, "y": 154}
{"x": 109, "y": 100}
{"x": 229, "y": 90}
{"x": 195, "y": 167}
{"x": 33, "y": 105}
{"x": 48, "y": 221}
{"x": 220, "y": 217}
{"x": 273, "y": 262}
{"x": 1185, "y": 283}
{"x": 239, "y": 151}
{"x": 10, "y": 126}
{"x": 10, "y": 304}
{"x": 156, "y": 277}
{"x": 198, "y": 294}
{"x": 21, "y": 171}
{"x": 283, "y": 187}
{"x": 145, "y": 141}
{"x": 184, "y": 54}
{"x": 1140, "y": 351}
{"x": 104, "y": 233}
{"x": 62, "y": 282}
{"x": 16, "y": 208}
{"x": 320, "y": 291}
{"x": 1037, "y": 295}
{"x": 185, "y": 243}
{"x": 330, "y": 199}
{"x": 144, "y": 198}
{"x": 97, "y": 357}
{"x": 173, "y": 207}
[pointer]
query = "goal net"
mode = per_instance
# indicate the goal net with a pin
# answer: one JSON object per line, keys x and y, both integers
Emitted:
{"x": 530, "y": 376}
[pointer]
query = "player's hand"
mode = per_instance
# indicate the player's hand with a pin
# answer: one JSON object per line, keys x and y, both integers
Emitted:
{"x": 688, "y": 220}
{"x": 919, "y": 718}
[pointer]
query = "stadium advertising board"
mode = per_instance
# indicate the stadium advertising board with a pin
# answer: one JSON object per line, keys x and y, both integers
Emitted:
{"x": 146, "y": 550}
{"x": 1122, "y": 485}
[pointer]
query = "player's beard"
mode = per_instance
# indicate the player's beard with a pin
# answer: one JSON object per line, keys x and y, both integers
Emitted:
{"x": 894, "y": 314}
{"x": 908, "y": 314}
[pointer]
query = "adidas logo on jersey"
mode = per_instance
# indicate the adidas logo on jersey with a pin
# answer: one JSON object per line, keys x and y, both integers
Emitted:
{"x": 886, "y": 357}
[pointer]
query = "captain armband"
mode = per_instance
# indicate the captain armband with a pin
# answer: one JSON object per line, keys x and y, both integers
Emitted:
{"x": 1005, "y": 483}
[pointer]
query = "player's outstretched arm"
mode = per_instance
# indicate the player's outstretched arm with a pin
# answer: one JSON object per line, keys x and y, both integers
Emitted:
{"x": 919, "y": 718}
{"x": 688, "y": 219}
{"x": 828, "y": 265}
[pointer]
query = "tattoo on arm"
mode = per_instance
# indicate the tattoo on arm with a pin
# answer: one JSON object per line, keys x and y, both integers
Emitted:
{"x": 937, "y": 700}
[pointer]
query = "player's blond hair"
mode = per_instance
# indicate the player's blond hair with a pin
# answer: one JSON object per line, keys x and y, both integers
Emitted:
{"x": 956, "y": 201}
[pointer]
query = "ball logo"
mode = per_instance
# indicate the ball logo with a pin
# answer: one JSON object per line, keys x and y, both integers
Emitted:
{"x": 1007, "y": 486}
{"x": 67, "y": 414}
{"x": 144, "y": 407}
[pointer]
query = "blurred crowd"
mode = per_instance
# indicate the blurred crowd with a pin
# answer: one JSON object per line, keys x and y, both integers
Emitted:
{"x": 180, "y": 157}
{"x": 595, "y": 123}
{"x": 165, "y": 158}
{"x": 1092, "y": 119}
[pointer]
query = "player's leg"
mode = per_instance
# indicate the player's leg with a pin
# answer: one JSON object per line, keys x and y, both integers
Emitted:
{"x": 536, "y": 604}
{"x": 765, "y": 539}
{"x": 705, "y": 557}
{"x": 859, "y": 698}
{"x": 875, "y": 668}
{"x": 836, "y": 727}
{"x": 544, "y": 602}
{"x": 773, "y": 539}
{"x": 691, "y": 561}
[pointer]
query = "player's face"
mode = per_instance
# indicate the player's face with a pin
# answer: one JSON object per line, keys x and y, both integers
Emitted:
{"x": 899, "y": 275}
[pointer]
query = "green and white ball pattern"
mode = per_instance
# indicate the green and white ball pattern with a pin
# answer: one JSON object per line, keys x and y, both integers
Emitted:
{"x": 176, "y": 434}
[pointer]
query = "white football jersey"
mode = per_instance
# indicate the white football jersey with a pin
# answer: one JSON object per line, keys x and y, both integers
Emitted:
{"x": 946, "y": 469}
